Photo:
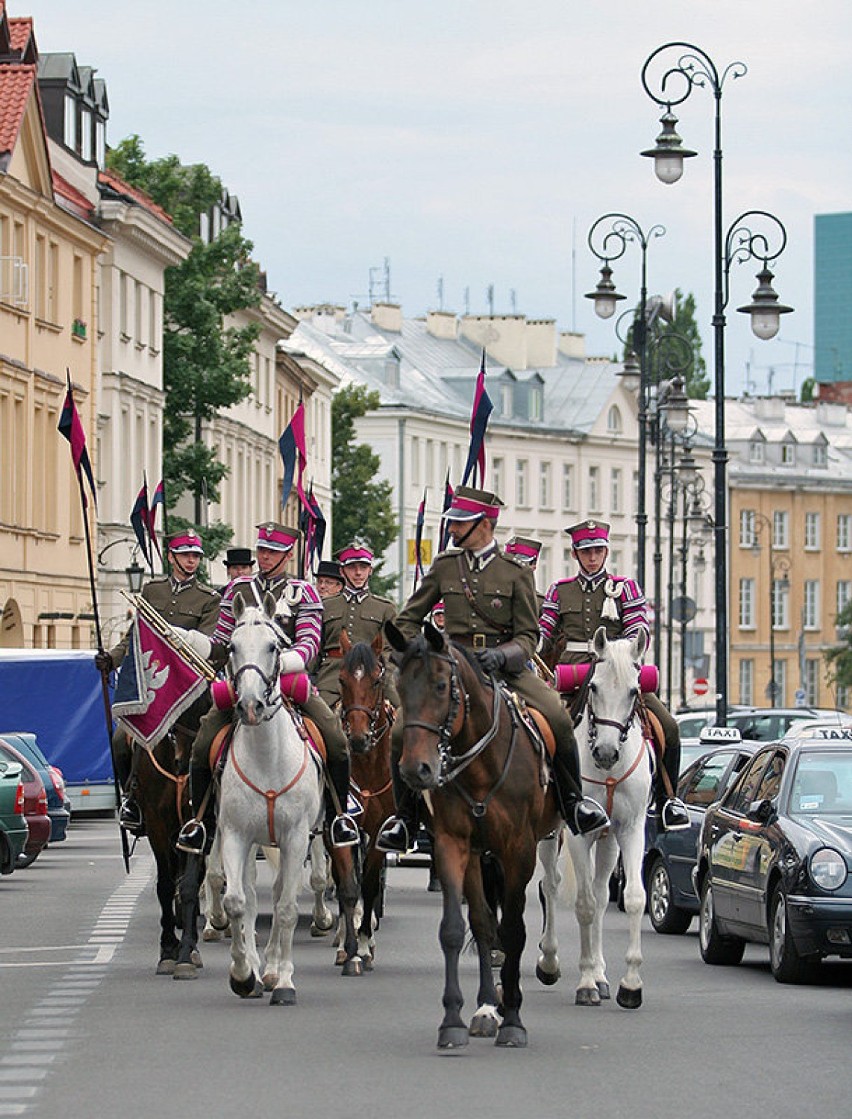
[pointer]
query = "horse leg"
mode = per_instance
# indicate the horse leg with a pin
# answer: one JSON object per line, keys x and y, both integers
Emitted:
{"x": 371, "y": 887}
{"x": 605, "y": 858}
{"x": 235, "y": 853}
{"x": 250, "y": 919}
{"x": 322, "y": 919}
{"x": 346, "y": 879}
{"x": 451, "y": 858}
{"x": 166, "y": 862}
{"x": 629, "y": 993}
{"x": 584, "y": 909}
{"x": 547, "y": 965}
{"x": 216, "y": 922}
{"x": 513, "y": 935}
{"x": 188, "y": 960}
{"x": 279, "y": 958}
{"x": 483, "y": 925}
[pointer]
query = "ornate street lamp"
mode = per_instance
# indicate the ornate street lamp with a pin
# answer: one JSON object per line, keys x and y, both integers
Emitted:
{"x": 691, "y": 67}
{"x": 135, "y": 575}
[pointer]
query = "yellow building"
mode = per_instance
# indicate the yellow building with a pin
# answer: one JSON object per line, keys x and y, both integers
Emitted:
{"x": 48, "y": 324}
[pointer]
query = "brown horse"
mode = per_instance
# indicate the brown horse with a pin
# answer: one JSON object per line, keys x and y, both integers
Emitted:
{"x": 367, "y": 717}
{"x": 467, "y": 746}
{"x": 163, "y": 795}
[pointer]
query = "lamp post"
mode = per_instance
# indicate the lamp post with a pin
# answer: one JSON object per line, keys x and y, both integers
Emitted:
{"x": 691, "y": 67}
{"x": 761, "y": 523}
{"x": 608, "y": 239}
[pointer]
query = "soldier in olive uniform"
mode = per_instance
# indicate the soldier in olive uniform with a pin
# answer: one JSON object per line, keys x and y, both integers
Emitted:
{"x": 490, "y": 607}
{"x": 358, "y": 611}
{"x": 574, "y": 609}
{"x": 186, "y": 604}
{"x": 527, "y": 551}
{"x": 274, "y": 547}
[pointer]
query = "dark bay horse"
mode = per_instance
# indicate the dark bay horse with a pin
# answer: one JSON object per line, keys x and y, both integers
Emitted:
{"x": 466, "y": 747}
{"x": 367, "y": 718}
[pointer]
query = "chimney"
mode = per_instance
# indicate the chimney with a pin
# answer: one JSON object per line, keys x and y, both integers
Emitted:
{"x": 541, "y": 343}
{"x": 572, "y": 344}
{"x": 387, "y": 316}
{"x": 503, "y": 336}
{"x": 442, "y": 324}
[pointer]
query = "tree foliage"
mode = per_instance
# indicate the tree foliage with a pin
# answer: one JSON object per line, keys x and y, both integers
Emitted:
{"x": 362, "y": 505}
{"x": 205, "y": 362}
{"x": 839, "y": 657}
{"x": 679, "y": 344}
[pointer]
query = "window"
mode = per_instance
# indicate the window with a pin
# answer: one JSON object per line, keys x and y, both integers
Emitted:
{"x": 755, "y": 451}
{"x": 86, "y": 137}
{"x": 844, "y": 532}
{"x": 521, "y": 496}
{"x": 820, "y": 454}
{"x": 748, "y": 535}
{"x": 594, "y": 488}
{"x": 844, "y": 593}
{"x": 567, "y": 487}
{"x": 746, "y": 603}
{"x": 615, "y": 491}
{"x": 841, "y": 696}
{"x": 747, "y": 681}
{"x": 415, "y": 461}
{"x": 70, "y": 124}
{"x": 613, "y": 421}
{"x": 535, "y": 408}
{"x": 506, "y": 399}
{"x": 743, "y": 793}
{"x": 703, "y": 787}
{"x": 544, "y": 486}
{"x": 812, "y": 532}
{"x": 781, "y": 603}
{"x": 100, "y": 143}
{"x": 810, "y": 611}
{"x": 496, "y": 475}
{"x": 780, "y": 529}
{"x": 812, "y": 682}
{"x": 788, "y": 454}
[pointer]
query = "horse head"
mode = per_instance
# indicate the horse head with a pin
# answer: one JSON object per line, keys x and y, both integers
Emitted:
{"x": 256, "y": 645}
{"x": 613, "y": 695}
{"x": 362, "y": 694}
{"x": 431, "y": 703}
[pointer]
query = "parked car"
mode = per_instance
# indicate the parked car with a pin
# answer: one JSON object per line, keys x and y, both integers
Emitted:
{"x": 693, "y": 720}
{"x": 13, "y": 824}
{"x": 58, "y": 801}
{"x": 775, "y": 855}
{"x": 770, "y": 724}
{"x": 671, "y": 855}
{"x": 35, "y": 806}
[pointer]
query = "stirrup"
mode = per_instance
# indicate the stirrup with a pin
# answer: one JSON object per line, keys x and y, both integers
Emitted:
{"x": 354, "y": 807}
{"x": 589, "y": 817}
{"x": 394, "y": 836}
{"x": 674, "y": 816}
{"x": 344, "y": 831}
{"x": 192, "y": 838}
{"x": 130, "y": 817}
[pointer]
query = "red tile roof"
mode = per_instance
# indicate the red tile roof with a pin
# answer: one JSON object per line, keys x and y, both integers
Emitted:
{"x": 77, "y": 202}
{"x": 20, "y": 30}
{"x": 116, "y": 183}
{"x": 16, "y": 85}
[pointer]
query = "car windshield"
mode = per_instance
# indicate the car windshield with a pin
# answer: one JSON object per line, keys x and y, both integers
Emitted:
{"x": 822, "y": 785}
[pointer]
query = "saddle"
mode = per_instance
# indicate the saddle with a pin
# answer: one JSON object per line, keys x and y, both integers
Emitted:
{"x": 307, "y": 728}
{"x": 652, "y": 729}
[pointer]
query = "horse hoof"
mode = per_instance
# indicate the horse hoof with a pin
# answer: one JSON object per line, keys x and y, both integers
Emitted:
{"x": 603, "y": 988}
{"x": 340, "y": 958}
{"x": 195, "y": 957}
{"x": 212, "y": 934}
{"x": 166, "y": 967}
{"x": 588, "y": 996}
{"x": 434, "y": 886}
{"x": 248, "y": 988}
{"x": 220, "y": 928}
{"x": 367, "y": 962}
{"x": 453, "y": 1037}
{"x": 353, "y": 966}
{"x": 185, "y": 971}
{"x": 318, "y": 929}
{"x": 270, "y": 981}
{"x": 548, "y": 978}
{"x": 484, "y": 1024}
{"x": 511, "y": 1037}
{"x": 283, "y": 996}
{"x": 630, "y": 999}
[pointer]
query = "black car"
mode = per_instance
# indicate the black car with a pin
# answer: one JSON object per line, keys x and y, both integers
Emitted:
{"x": 671, "y": 855}
{"x": 775, "y": 856}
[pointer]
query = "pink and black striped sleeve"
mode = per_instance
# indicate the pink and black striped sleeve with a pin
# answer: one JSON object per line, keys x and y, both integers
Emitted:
{"x": 548, "y": 619}
{"x": 634, "y": 610}
{"x": 225, "y": 624}
{"x": 309, "y": 615}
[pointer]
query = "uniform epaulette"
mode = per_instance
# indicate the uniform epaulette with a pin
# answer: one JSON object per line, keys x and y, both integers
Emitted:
{"x": 516, "y": 560}
{"x": 447, "y": 552}
{"x": 384, "y": 598}
{"x": 206, "y": 589}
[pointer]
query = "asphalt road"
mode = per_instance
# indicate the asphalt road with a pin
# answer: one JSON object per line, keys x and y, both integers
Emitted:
{"x": 87, "y": 1029}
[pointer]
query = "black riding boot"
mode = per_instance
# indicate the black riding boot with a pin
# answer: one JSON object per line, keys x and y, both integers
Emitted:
{"x": 126, "y": 756}
{"x": 672, "y": 811}
{"x": 398, "y": 832}
{"x": 342, "y": 829}
{"x": 582, "y": 814}
{"x": 196, "y": 835}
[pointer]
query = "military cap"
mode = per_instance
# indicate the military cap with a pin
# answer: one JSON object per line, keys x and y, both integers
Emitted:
{"x": 469, "y": 504}
{"x": 187, "y": 541}
{"x": 523, "y": 548}
{"x": 589, "y": 534}
{"x": 278, "y": 538}
{"x": 356, "y": 552}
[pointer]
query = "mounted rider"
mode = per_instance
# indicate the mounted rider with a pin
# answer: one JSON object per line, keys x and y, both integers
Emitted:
{"x": 185, "y": 603}
{"x": 358, "y": 611}
{"x": 574, "y": 608}
{"x": 490, "y": 607}
{"x": 302, "y": 628}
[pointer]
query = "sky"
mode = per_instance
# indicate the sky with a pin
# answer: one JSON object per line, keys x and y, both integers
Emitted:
{"x": 471, "y": 143}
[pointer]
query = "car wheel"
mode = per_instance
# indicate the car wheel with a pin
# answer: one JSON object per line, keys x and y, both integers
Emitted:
{"x": 715, "y": 948}
{"x": 786, "y": 963}
{"x": 665, "y": 916}
{"x": 24, "y": 860}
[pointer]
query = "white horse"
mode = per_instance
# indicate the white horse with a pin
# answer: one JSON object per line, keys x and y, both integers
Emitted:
{"x": 270, "y": 794}
{"x": 615, "y": 763}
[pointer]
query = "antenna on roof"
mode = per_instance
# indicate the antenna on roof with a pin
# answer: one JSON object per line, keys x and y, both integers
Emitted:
{"x": 440, "y": 293}
{"x": 467, "y": 301}
{"x": 387, "y": 280}
{"x": 574, "y": 276}
{"x": 489, "y": 295}
{"x": 513, "y": 300}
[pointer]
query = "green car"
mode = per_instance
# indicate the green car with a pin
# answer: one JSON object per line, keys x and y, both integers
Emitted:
{"x": 13, "y": 824}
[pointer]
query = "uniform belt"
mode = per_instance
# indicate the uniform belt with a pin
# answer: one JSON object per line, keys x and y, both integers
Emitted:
{"x": 578, "y": 647}
{"x": 333, "y": 654}
{"x": 478, "y": 640}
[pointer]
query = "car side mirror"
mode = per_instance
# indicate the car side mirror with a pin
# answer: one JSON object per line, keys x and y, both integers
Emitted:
{"x": 762, "y": 810}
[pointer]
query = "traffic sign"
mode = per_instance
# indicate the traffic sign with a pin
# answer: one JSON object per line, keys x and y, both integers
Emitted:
{"x": 700, "y": 686}
{"x": 684, "y": 609}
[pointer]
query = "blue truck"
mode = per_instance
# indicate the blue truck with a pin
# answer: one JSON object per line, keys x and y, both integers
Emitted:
{"x": 57, "y": 695}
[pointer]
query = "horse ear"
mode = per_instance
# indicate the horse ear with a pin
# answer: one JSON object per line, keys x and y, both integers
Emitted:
{"x": 640, "y": 644}
{"x": 599, "y": 642}
{"x": 378, "y": 644}
{"x": 238, "y": 605}
{"x": 434, "y": 636}
{"x": 269, "y": 605}
{"x": 394, "y": 636}
{"x": 345, "y": 642}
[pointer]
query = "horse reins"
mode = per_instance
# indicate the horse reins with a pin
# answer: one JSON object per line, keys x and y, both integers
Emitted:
{"x": 611, "y": 783}
{"x": 273, "y": 701}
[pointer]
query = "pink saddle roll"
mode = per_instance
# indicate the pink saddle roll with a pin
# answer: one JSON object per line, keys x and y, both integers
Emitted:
{"x": 294, "y": 685}
{"x": 570, "y": 677}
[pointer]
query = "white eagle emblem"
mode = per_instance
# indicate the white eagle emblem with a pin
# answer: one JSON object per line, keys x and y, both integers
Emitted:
{"x": 154, "y": 675}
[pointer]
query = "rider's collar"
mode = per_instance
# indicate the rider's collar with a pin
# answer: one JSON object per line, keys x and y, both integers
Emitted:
{"x": 179, "y": 585}
{"x": 592, "y": 582}
{"x": 267, "y": 582}
{"x": 358, "y": 594}
{"x": 479, "y": 560}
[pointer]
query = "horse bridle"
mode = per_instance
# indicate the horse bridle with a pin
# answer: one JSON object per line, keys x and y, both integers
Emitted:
{"x": 272, "y": 692}
{"x": 595, "y": 722}
{"x": 375, "y": 730}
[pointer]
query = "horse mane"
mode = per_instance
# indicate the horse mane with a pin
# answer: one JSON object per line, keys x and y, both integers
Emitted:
{"x": 470, "y": 657}
{"x": 624, "y": 667}
{"x": 360, "y": 655}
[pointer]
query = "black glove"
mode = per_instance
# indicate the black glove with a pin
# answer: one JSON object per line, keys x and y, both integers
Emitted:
{"x": 103, "y": 661}
{"x": 491, "y": 660}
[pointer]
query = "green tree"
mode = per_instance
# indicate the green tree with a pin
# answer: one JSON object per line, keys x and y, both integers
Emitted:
{"x": 683, "y": 326}
{"x": 362, "y": 505}
{"x": 205, "y": 362}
{"x": 807, "y": 394}
{"x": 839, "y": 657}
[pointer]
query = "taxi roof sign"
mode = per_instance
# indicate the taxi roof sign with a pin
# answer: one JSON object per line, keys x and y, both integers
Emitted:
{"x": 827, "y": 732}
{"x": 720, "y": 734}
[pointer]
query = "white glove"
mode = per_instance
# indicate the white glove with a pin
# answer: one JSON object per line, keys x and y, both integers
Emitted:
{"x": 292, "y": 661}
{"x": 196, "y": 641}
